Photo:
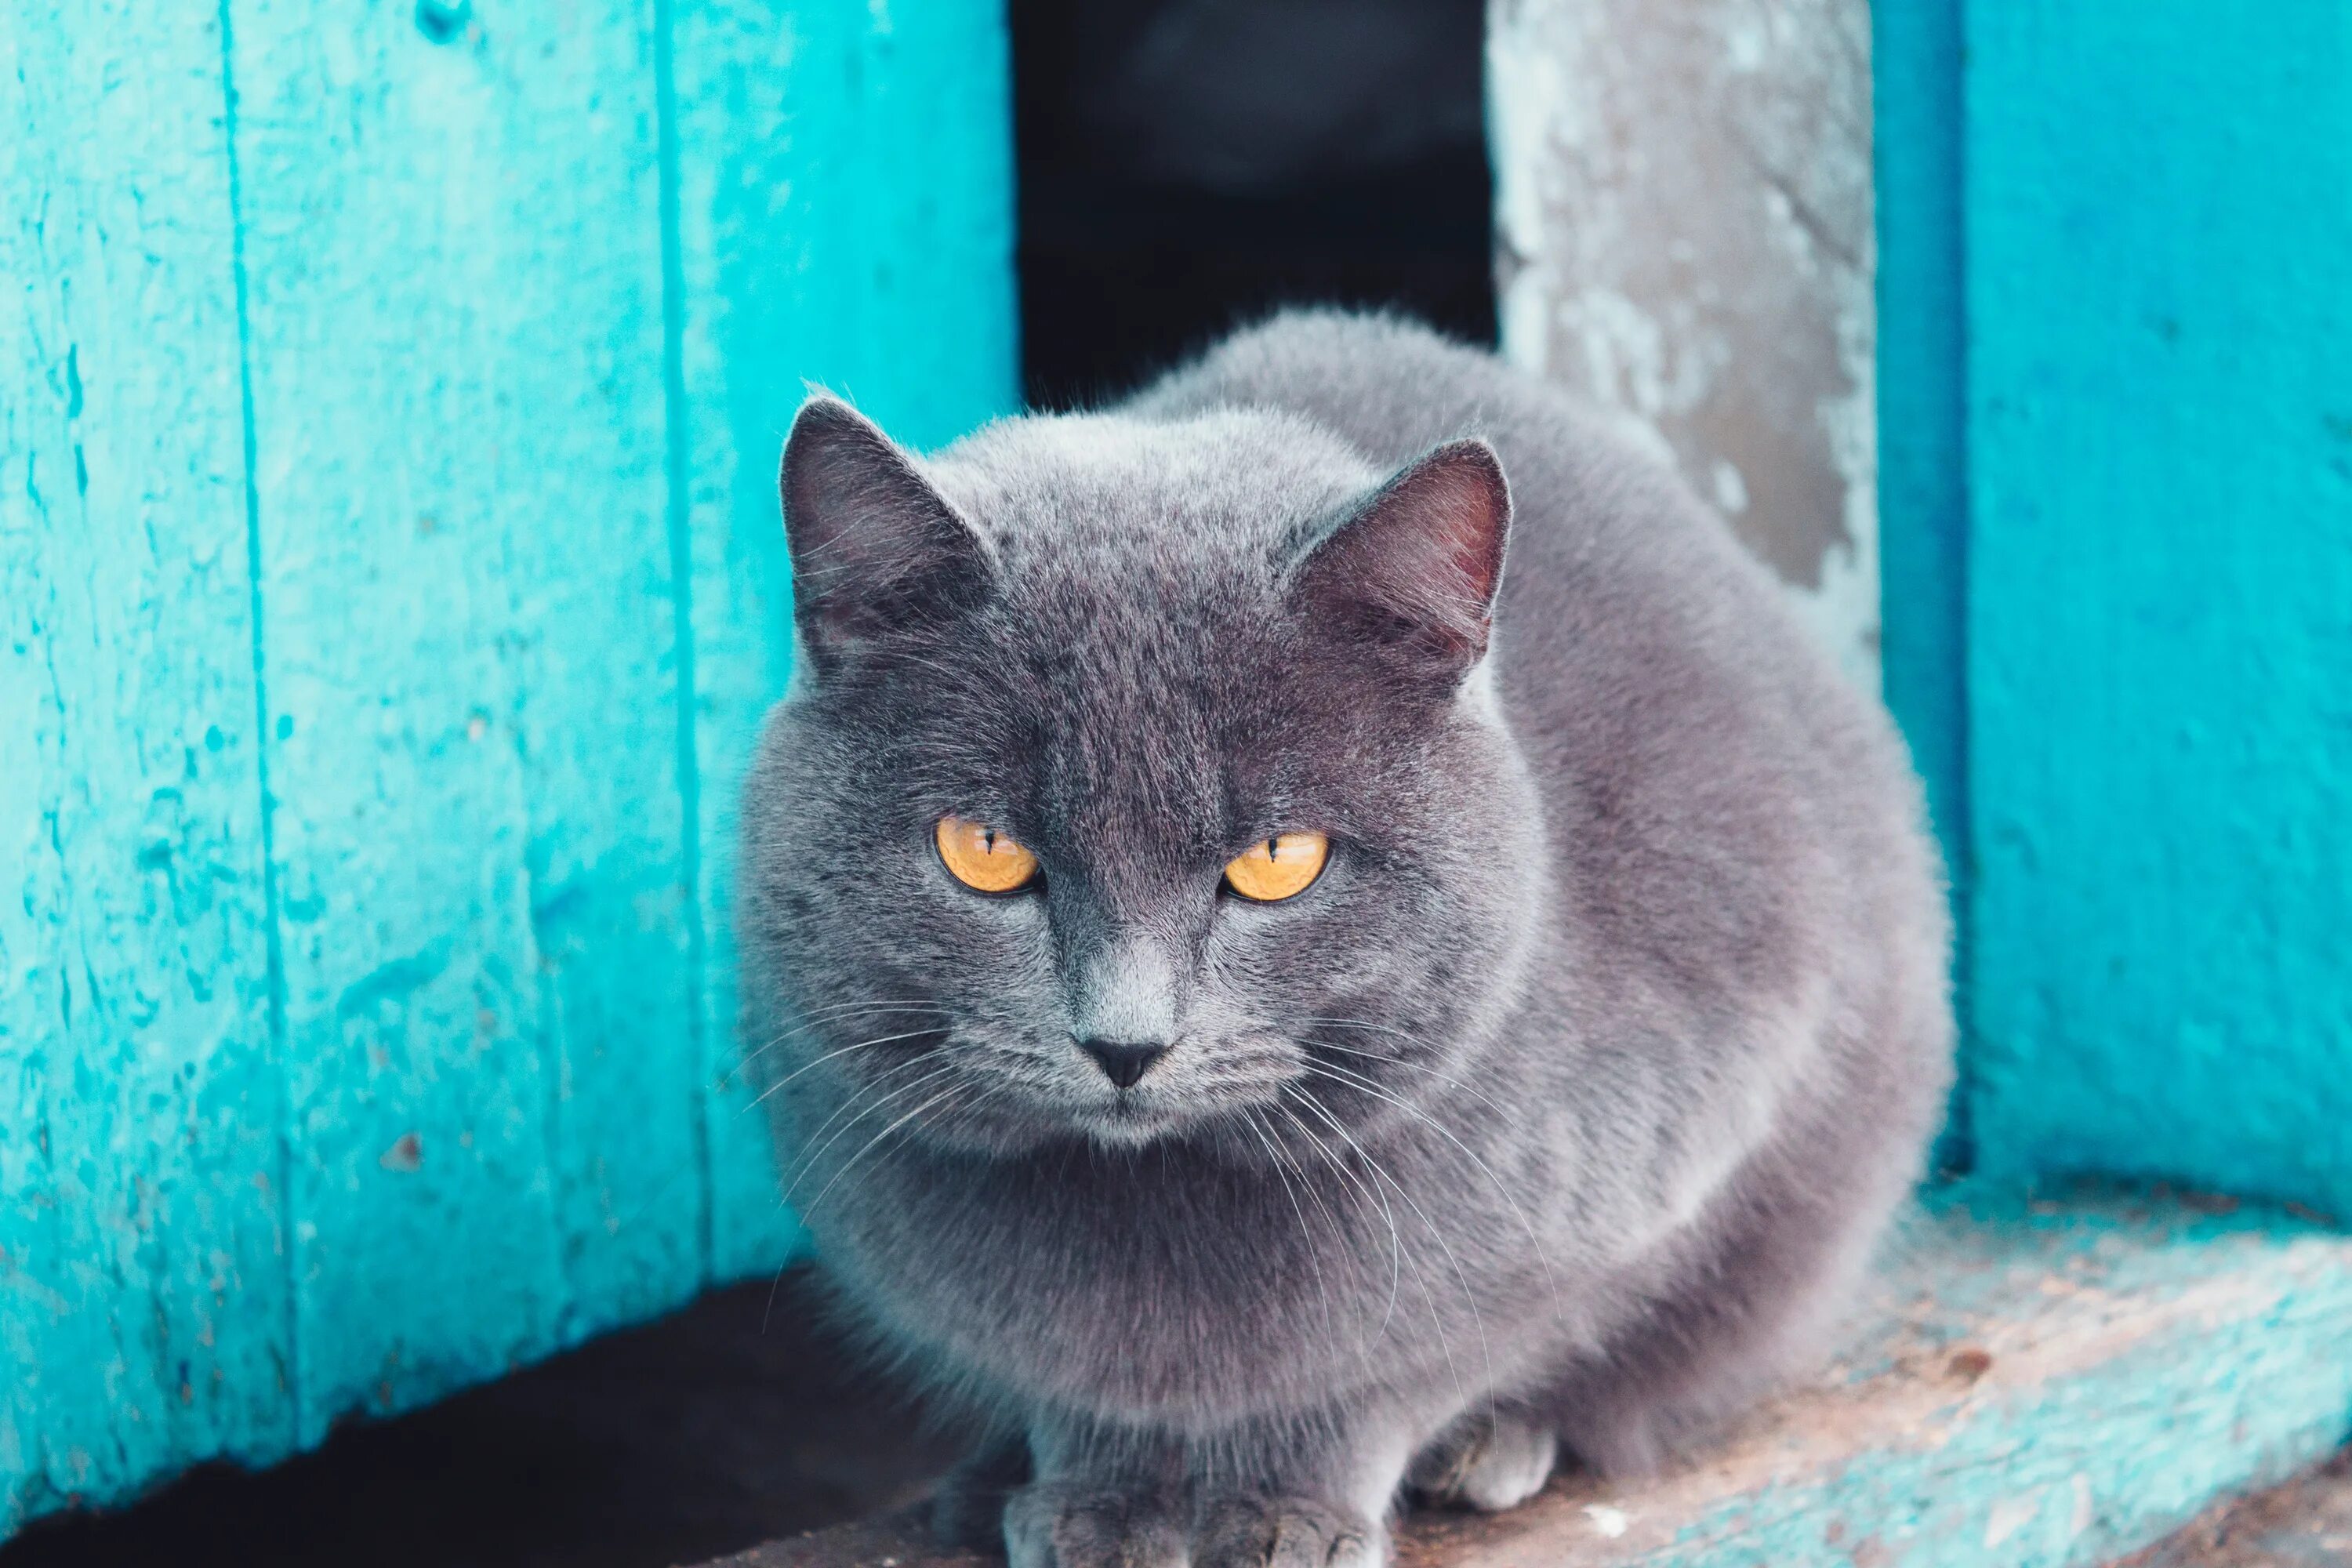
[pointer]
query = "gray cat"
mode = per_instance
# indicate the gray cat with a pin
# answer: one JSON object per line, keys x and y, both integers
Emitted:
{"x": 1277, "y": 1026}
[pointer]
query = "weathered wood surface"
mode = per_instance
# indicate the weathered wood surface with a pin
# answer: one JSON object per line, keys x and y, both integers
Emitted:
{"x": 457, "y": 417}
{"x": 2159, "y": 215}
{"x": 2306, "y": 1523}
{"x": 392, "y": 580}
{"x": 143, "y": 1290}
{"x": 2036, "y": 1385}
{"x": 1684, "y": 232}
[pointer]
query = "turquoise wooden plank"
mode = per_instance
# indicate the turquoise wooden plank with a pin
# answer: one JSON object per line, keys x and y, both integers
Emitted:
{"x": 454, "y": 244}
{"x": 605, "y": 668}
{"x": 843, "y": 185}
{"x": 1922, "y": 433}
{"x": 142, "y": 1275}
{"x": 2160, "y": 229}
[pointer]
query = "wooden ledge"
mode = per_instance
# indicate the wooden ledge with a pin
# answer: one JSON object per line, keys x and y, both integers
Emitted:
{"x": 2036, "y": 1383}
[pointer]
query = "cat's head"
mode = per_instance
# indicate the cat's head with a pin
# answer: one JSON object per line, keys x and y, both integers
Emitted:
{"x": 1139, "y": 780}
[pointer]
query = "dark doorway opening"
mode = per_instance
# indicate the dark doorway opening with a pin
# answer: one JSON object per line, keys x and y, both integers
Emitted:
{"x": 1186, "y": 165}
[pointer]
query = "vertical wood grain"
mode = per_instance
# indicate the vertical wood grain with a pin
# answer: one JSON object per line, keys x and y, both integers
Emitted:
{"x": 452, "y": 236}
{"x": 2159, "y": 627}
{"x": 142, "y": 1275}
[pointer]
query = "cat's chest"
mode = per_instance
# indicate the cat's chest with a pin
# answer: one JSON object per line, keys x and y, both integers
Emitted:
{"x": 1124, "y": 1283}
{"x": 1105, "y": 1231}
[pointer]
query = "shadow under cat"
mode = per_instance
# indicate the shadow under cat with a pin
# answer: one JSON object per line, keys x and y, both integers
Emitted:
{"x": 691, "y": 1437}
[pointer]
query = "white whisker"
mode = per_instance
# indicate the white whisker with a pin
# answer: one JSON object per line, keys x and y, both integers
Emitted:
{"x": 820, "y": 1061}
{"x": 1396, "y": 1260}
{"x": 809, "y": 1161}
{"x": 1306, "y": 1235}
{"x": 1420, "y": 1279}
{"x": 1342, "y": 1075}
{"x": 945, "y": 1093}
{"x": 834, "y": 1014}
{"x": 1462, "y": 1277}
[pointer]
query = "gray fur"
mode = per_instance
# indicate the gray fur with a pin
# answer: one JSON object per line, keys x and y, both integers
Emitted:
{"x": 1570, "y": 1101}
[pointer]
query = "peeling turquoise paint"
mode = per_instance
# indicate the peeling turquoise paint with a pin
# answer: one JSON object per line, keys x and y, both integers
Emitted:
{"x": 2138, "y": 1360}
{"x": 2158, "y": 216}
{"x": 392, "y": 582}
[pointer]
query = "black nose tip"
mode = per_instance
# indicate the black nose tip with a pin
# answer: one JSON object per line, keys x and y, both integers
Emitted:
{"x": 1122, "y": 1063}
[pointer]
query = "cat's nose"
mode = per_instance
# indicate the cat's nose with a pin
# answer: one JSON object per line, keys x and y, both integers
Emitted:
{"x": 1121, "y": 1062}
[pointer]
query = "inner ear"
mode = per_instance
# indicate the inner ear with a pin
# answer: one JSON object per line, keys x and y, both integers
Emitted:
{"x": 875, "y": 548}
{"x": 1411, "y": 570}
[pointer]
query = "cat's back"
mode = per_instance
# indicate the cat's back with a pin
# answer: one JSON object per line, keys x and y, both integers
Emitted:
{"x": 1616, "y": 574}
{"x": 1600, "y": 533}
{"x": 1707, "y": 768}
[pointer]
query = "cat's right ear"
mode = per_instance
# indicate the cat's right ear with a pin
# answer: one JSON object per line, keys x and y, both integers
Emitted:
{"x": 875, "y": 548}
{"x": 1409, "y": 575}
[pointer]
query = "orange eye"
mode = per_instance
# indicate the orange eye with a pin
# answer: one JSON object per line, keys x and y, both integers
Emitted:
{"x": 979, "y": 857}
{"x": 1282, "y": 867}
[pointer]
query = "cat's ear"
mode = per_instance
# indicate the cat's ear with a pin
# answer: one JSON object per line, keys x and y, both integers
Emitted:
{"x": 875, "y": 548}
{"x": 1411, "y": 570}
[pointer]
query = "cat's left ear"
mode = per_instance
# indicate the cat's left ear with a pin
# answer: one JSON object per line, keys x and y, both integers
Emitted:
{"x": 1412, "y": 571}
{"x": 875, "y": 548}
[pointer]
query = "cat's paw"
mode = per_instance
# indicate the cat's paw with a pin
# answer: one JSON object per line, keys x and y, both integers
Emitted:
{"x": 1488, "y": 1465}
{"x": 1059, "y": 1524}
{"x": 1283, "y": 1532}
